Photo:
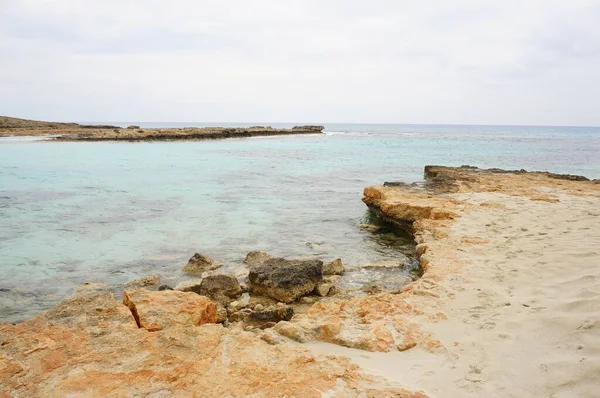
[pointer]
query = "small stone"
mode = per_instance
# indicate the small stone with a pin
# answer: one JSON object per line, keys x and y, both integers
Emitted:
{"x": 191, "y": 285}
{"x": 332, "y": 279}
{"x": 370, "y": 227}
{"x": 200, "y": 263}
{"x": 259, "y": 307}
{"x": 322, "y": 289}
{"x": 308, "y": 300}
{"x": 335, "y": 267}
{"x": 406, "y": 345}
{"x": 221, "y": 314}
{"x": 164, "y": 287}
{"x": 281, "y": 304}
{"x": 333, "y": 291}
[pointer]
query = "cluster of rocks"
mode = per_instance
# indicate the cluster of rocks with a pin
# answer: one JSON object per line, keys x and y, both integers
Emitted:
{"x": 273, "y": 285}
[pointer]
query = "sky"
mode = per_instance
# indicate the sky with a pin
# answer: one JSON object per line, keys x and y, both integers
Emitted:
{"x": 523, "y": 62}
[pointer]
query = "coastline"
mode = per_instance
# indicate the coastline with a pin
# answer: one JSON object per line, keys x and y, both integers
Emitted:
{"x": 485, "y": 239}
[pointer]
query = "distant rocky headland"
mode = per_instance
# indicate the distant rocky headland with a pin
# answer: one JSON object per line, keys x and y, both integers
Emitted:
{"x": 10, "y": 126}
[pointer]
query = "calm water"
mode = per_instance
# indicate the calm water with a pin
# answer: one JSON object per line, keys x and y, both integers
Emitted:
{"x": 112, "y": 212}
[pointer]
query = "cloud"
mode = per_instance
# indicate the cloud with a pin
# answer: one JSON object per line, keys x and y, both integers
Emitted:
{"x": 466, "y": 61}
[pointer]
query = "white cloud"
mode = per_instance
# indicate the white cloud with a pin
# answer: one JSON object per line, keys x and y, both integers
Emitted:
{"x": 465, "y": 61}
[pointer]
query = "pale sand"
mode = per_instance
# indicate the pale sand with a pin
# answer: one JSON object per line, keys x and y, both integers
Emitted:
{"x": 523, "y": 311}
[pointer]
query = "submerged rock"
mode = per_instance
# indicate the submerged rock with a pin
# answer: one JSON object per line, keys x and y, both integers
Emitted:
{"x": 384, "y": 265}
{"x": 220, "y": 287}
{"x": 91, "y": 287}
{"x": 164, "y": 287}
{"x": 200, "y": 263}
{"x": 151, "y": 280}
{"x": 159, "y": 310}
{"x": 335, "y": 267}
{"x": 371, "y": 227}
{"x": 285, "y": 280}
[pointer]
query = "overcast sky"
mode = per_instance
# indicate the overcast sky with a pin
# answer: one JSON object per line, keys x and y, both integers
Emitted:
{"x": 459, "y": 61}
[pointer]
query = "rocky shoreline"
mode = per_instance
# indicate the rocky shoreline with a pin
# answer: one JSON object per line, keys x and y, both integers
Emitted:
{"x": 445, "y": 334}
{"x": 78, "y": 132}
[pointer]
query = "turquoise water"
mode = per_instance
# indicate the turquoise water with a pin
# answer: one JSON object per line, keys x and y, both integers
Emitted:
{"x": 112, "y": 212}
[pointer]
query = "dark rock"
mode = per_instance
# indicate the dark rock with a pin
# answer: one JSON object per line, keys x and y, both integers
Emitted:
{"x": 395, "y": 184}
{"x": 264, "y": 318}
{"x": 316, "y": 129}
{"x": 133, "y": 127}
{"x": 164, "y": 287}
{"x": 285, "y": 280}
{"x": 271, "y": 314}
{"x": 220, "y": 287}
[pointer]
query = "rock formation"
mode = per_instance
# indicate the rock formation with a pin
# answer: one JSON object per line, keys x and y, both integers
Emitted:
{"x": 90, "y": 345}
{"x": 285, "y": 280}
{"x": 200, "y": 263}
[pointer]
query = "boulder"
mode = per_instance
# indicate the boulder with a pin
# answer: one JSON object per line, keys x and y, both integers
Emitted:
{"x": 285, "y": 280}
{"x": 200, "y": 263}
{"x": 220, "y": 287}
{"x": 335, "y": 267}
{"x": 256, "y": 258}
{"x": 159, "y": 310}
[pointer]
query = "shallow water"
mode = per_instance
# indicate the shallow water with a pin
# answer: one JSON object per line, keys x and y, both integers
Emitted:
{"x": 112, "y": 212}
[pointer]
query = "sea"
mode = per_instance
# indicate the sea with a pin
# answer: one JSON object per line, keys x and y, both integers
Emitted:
{"x": 111, "y": 212}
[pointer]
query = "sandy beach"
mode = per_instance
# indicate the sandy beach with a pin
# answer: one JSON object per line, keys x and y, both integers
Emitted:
{"x": 508, "y": 305}
{"x": 518, "y": 284}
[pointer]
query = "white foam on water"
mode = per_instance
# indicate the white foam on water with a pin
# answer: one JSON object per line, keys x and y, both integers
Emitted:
{"x": 26, "y": 138}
